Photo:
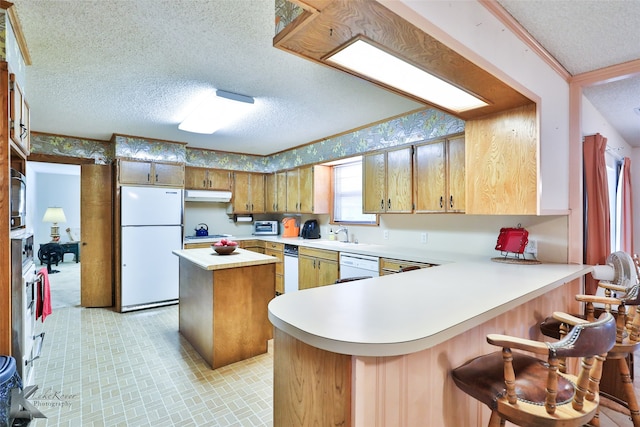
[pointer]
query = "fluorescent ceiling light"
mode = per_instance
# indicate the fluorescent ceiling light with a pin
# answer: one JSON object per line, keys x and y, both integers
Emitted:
{"x": 376, "y": 64}
{"x": 216, "y": 111}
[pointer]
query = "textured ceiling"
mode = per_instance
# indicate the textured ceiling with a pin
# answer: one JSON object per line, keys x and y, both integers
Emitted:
{"x": 134, "y": 67}
{"x": 586, "y": 35}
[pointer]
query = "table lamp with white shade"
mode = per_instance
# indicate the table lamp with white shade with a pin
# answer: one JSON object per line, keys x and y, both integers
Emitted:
{"x": 54, "y": 215}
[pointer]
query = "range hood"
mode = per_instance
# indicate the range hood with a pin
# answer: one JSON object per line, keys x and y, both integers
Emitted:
{"x": 207, "y": 196}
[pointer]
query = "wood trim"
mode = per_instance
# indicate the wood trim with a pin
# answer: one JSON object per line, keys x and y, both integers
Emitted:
{"x": 17, "y": 31}
{"x": 48, "y": 158}
{"x": 519, "y": 31}
{"x": 607, "y": 74}
{"x": 5, "y": 245}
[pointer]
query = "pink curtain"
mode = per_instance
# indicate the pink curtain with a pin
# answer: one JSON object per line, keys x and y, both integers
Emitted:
{"x": 626, "y": 234}
{"x": 597, "y": 237}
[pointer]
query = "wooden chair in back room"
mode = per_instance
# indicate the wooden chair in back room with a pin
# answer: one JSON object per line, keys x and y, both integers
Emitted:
{"x": 529, "y": 391}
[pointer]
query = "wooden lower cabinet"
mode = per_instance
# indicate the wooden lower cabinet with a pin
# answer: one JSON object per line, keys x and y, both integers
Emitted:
{"x": 317, "y": 267}
{"x": 393, "y": 266}
{"x": 277, "y": 250}
{"x": 252, "y": 245}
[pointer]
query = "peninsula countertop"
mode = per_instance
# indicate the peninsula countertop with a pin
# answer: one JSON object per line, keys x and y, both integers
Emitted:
{"x": 207, "y": 259}
{"x": 412, "y": 311}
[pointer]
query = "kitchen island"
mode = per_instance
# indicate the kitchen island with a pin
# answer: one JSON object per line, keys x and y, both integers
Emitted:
{"x": 379, "y": 351}
{"x": 223, "y": 303}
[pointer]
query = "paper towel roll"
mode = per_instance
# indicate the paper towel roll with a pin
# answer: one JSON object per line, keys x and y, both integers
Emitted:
{"x": 603, "y": 272}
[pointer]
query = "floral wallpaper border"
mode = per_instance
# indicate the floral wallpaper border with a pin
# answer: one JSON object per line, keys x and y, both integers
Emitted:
{"x": 56, "y": 145}
{"x": 415, "y": 127}
{"x": 3, "y": 35}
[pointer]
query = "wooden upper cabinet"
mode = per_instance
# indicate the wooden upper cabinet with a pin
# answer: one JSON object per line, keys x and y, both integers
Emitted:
{"x": 19, "y": 123}
{"x": 133, "y": 172}
{"x": 456, "y": 174}
{"x": 168, "y": 174}
{"x": 439, "y": 176}
{"x": 248, "y": 192}
{"x": 281, "y": 191}
{"x": 314, "y": 187}
{"x": 150, "y": 173}
{"x": 374, "y": 183}
{"x": 293, "y": 191}
{"x": 270, "y": 193}
{"x": 387, "y": 181}
{"x": 308, "y": 189}
{"x": 276, "y": 192}
{"x": 207, "y": 179}
{"x": 502, "y": 163}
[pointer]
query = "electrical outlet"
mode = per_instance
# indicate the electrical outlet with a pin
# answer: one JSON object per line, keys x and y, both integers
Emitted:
{"x": 423, "y": 238}
{"x": 531, "y": 248}
{"x": 385, "y": 234}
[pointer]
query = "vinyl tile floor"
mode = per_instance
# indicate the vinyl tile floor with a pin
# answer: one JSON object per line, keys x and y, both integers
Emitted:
{"x": 102, "y": 368}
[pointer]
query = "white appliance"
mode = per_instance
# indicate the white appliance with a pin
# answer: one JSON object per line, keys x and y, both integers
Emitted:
{"x": 151, "y": 228}
{"x": 356, "y": 265}
{"x": 290, "y": 268}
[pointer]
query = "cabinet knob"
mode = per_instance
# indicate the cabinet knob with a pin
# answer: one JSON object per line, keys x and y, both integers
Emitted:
{"x": 451, "y": 201}
{"x": 389, "y": 204}
{"x": 441, "y": 202}
{"x": 381, "y": 204}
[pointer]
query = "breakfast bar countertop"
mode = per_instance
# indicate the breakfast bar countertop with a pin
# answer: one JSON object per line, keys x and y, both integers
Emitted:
{"x": 412, "y": 311}
{"x": 207, "y": 259}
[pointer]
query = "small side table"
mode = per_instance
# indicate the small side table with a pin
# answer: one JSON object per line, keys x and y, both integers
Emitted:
{"x": 72, "y": 248}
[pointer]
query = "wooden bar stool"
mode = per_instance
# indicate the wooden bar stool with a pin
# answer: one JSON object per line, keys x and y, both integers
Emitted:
{"x": 627, "y": 341}
{"x": 528, "y": 391}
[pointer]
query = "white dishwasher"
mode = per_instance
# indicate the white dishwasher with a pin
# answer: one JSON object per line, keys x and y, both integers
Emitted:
{"x": 290, "y": 268}
{"x": 356, "y": 265}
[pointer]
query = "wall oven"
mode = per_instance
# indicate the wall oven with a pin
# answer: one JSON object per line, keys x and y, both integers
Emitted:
{"x": 25, "y": 282}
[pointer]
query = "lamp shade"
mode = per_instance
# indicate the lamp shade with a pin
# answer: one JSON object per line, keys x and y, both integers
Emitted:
{"x": 54, "y": 215}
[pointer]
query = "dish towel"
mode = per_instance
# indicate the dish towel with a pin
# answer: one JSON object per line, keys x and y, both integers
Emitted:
{"x": 43, "y": 301}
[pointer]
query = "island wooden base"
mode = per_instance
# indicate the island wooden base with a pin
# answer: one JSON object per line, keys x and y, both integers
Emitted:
{"x": 314, "y": 387}
{"x": 223, "y": 313}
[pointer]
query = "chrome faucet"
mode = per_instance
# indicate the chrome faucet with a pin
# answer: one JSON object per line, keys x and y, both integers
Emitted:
{"x": 346, "y": 234}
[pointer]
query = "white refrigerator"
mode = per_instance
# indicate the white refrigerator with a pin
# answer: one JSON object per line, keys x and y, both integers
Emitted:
{"x": 151, "y": 228}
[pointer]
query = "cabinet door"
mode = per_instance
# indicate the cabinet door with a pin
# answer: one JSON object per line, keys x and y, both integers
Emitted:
{"x": 241, "y": 192}
{"x": 373, "y": 183}
{"x": 399, "y": 180}
{"x": 307, "y": 272}
{"x": 195, "y": 178}
{"x": 257, "y": 193}
{"x": 430, "y": 177}
{"x": 271, "y": 193}
{"x": 131, "y": 172}
{"x": 168, "y": 174}
{"x": 281, "y": 196}
{"x": 456, "y": 176}
{"x": 218, "y": 179}
{"x": 327, "y": 272}
{"x": 305, "y": 185}
{"x": 502, "y": 177}
{"x": 293, "y": 198}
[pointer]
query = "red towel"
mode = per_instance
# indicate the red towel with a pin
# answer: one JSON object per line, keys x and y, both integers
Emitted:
{"x": 43, "y": 301}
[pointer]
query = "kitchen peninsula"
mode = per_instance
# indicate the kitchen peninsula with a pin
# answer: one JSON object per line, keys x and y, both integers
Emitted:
{"x": 379, "y": 351}
{"x": 223, "y": 303}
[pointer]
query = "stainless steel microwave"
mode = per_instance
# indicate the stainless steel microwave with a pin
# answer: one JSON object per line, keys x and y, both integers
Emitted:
{"x": 265, "y": 228}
